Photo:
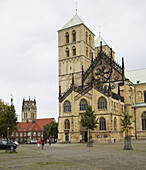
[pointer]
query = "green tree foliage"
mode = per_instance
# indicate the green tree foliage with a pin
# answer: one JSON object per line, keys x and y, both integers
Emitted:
{"x": 50, "y": 129}
{"x": 89, "y": 119}
{"x": 126, "y": 122}
{"x": 8, "y": 118}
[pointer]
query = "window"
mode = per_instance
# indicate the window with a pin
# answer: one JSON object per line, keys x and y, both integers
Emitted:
{"x": 67, "y": 37}
{"x": 34, "y": 133}
{"x": 89, "y": 39}
{"x": 38, "y": 133}
{"x": 86, "y": 37}
{"x": 24, "y": 129}
{"x": 102, "y": 123}
{"x": 67, "y": 106}
{"x": 32, "y": 115}
{"x": 16, "y": 134}
{"x": 102, "y": 103}
{"x": 144, "y": 97}
{"x": 87, "y": 51}
{"x": 74, "y": 35}
{"x": 67, "y": 124}
{"x": 83, "y": 104}
{"x": 115, "y": 123}
{"x": 67, "y": 52}
{"x": 74, "y": 50}
{"x": 21, "y": 134}
{"x": 24, "y": 133}
{"x": 143, "y": 117}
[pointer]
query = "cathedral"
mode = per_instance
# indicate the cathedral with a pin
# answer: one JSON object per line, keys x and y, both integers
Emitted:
{"x": 89, "y": 74}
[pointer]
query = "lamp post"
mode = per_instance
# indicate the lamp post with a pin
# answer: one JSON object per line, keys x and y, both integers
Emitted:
{"x": 7, "y": 138}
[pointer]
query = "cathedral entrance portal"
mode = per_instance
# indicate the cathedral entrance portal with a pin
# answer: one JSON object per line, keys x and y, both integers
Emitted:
{"x": 66, "y": 137}
{"x": 84, "y": 136}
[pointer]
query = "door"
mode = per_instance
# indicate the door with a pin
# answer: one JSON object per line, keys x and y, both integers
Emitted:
{"x": 66, "y": 137}
{"x": 84, "y": 136}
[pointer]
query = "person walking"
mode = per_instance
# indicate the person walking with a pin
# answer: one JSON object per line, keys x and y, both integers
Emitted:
{"x": 38, "y": 143}
{"x": 43, "y": 142}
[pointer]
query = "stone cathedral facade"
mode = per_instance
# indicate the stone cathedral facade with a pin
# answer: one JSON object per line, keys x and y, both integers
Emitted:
{"x": 89, "y": 74}
{"x": 29, "y": 110}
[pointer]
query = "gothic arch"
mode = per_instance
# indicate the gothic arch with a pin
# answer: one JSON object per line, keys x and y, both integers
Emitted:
{"x": 67, "y": 124}
{"x": 102, "y": 103}
{"x": 102, "y": 123}
{"x": 83, "y": 104}
{"x": 67, "y": 106}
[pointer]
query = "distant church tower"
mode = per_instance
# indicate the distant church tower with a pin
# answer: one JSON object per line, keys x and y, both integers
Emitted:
{"x": 29, "y": 110}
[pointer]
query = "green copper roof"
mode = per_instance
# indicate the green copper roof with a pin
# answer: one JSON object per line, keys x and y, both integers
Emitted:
{"x": 139, "y": 105}
{"x": 97, "y": 41}
{"x": 76, "y": 20}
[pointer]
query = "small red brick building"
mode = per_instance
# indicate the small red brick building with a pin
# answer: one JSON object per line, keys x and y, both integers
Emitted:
{"x": 31, "y": 130}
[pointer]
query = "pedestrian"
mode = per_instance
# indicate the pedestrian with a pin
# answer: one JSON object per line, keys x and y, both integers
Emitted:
{"x": 38, "y": 143}
{"x": 43, "y": 142}
{"x": 49, "y": 141}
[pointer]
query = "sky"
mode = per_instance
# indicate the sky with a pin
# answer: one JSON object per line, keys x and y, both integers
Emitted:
{"x": 29, "y": 43}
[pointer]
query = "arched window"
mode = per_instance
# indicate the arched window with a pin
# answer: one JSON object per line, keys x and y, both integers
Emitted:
{"x": 83, "y": 104}
{"x": 143, "y": 117}
{"x": 144, "y": 97}
{"x": 74, "y": 35}
{"x": 32, "y": 115}
{"x": 115, "y": 123}
{"x": 67, "y": 124}
{"x": 102, "y": 103}
{"x": 67, "y": 37}
{"x": 74, "y": 50}
{"x": 89, "y": 39}
{"x": 87, "y": 51}
{"x": 102, "y": 123}
{"x": 86, "y": 37}
{"x": 67, "y": 52}
{"x": 67, "y": 106}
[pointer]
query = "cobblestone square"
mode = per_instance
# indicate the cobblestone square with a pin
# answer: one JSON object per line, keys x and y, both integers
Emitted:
{"x": 76, "y": 156}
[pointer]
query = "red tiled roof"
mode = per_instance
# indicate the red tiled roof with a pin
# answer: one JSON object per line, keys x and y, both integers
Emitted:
{"x": 43, "y": 122}
{"x": 36, "y": 124}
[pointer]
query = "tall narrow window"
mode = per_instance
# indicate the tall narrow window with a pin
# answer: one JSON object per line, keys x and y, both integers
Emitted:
{"x": 143, "y": 117}
{"x": 67, "y": 106}
{"x": 83, "y": 104}
{"x": 102, "y": 123}
{"x": 86, "y": 37}
{"x": 32, "y": 115}
{"x": 67, "y": 124}
{"x": 67, "y": 37}
{"x": 115, "y": 124}
{"x": 102, "y": 103}
{"x": 144, "y": 97}
{"x": 74, "y": 35}
{"x": 87, "y": 51}
{"x": 74, "y": 50}
{"x": 67, "y": 52}
{"x": 89, "y": 39}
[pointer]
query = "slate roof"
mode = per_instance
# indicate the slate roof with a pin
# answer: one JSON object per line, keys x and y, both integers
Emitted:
{"x": 137, "y": 75}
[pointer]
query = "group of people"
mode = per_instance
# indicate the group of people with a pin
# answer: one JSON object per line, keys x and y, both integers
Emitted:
{"x": 42, "y": 142}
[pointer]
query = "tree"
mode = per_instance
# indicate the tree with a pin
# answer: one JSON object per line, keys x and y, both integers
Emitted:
{"x": 8, "y": 118}
{"x": 50, "y": 129}
{"x": 126, "y": 125}
{"x": 89, "y": 121}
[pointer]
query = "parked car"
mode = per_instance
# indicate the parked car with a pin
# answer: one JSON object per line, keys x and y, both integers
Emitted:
{"x": 16, "y": 143}
{"x": 33, "y": 141}
{"x": 28, "y": 142}
{"x": 4, "y": 144}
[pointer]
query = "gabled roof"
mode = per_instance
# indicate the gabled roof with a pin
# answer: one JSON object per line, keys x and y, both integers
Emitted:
{"x": 31, "y": 126}
{"x": 98, "y": 40}
{"x": 75, "y": 20}
{"x": 43, "y": 122}
{"x": 137, "y": 75}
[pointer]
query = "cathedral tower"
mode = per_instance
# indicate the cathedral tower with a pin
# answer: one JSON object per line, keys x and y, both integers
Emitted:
{"x": 76, "y": 48}
{"x": 29, "y": 110}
